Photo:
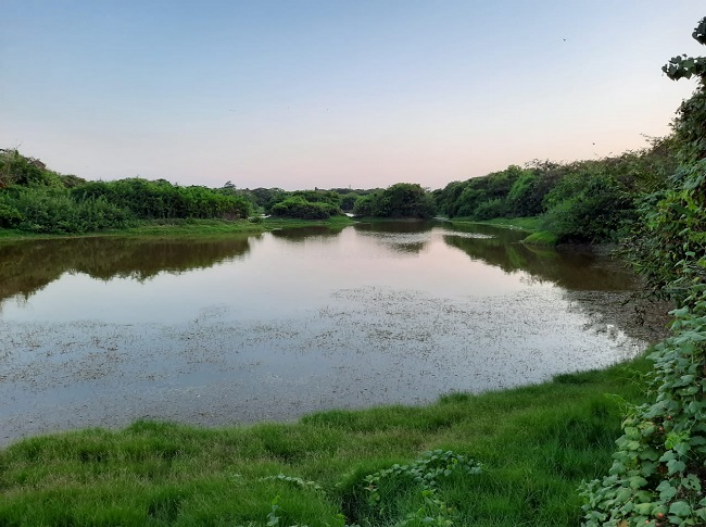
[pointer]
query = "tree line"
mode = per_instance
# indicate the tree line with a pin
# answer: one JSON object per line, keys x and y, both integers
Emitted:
{"x": 582, "y": 201}
{"x": 35, "y": 199}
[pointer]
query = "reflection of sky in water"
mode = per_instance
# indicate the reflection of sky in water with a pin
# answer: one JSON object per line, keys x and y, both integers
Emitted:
{"x": 276, "y": 278}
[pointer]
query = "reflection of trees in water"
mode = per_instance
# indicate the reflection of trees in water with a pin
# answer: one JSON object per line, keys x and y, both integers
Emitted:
{"x": 599, "y": 286}
{"x": 399, "y": 227}
{"x": 608, "y": 311}
{"x": 301, "y": 234}
{"x": 400, "y": 237}
{"x": 27, "y": 267}
{"x": 502, "y": 234}
{"x": 575, "y": 268}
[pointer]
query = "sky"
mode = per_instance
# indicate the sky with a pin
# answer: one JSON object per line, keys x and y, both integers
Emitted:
{"x": 335, "y": 93}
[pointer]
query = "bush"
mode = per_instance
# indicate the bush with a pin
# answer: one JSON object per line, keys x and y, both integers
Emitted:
{"x": 495, "y": 208}
{"x": 162, "y": 200}
{"x": 298, "y": 207}
{"x": 56, "y": 211}
{"x": 402, "y": 200}
{"x": 16, "y": 169}
{"x": 589, "y": 209}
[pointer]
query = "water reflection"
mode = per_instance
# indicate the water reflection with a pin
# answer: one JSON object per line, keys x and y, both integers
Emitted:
{"x": 396, "y": 227}
{"x": 597, "y": 285}
{"x": 302, "y": 234}
{"x": 575, "y": 268}
{"x": 27, "y": 267}
{"x": 401, "y": 237}
{"x": 311, "y": 319}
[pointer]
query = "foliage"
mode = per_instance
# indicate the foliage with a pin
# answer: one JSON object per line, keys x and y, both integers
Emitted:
{"x": 366, "y": 205}
{"x": 55, "y": 210}
{"x": 584, "y": 200}
{"x": 681, "y": 67}
{"x": 305, "y": 204}
{"x": 587, "y": 208}
{"x": 16, "y": 169}
{"x": 494, "y": 208}
{"x": 298, "y": 206}
{"x": 35, "y": 199}
{"x": 348, "y": 201}
{"x": 658, "y": 475}
{"x": 162, "y": 200}
{"x": 377, "y": 491}
{"x": 401, "y": 200}
{"x": 523, "y": 198}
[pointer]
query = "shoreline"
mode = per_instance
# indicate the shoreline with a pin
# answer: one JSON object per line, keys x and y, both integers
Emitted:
{"x": 185, "y": 228}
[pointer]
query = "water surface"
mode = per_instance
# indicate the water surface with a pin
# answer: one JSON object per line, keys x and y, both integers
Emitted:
{"x": 101, "y": 331}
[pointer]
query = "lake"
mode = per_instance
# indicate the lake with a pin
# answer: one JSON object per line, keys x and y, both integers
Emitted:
{"x": 232, "y": 330}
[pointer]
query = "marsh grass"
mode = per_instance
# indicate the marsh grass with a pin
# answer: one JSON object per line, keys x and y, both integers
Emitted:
{"x": 536, "y": 444}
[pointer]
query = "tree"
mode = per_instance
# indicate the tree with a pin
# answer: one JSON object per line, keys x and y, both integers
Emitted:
{"x": 402, "y": 200}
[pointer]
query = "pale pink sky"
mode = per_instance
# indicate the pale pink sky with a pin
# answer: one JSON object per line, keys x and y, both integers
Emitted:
{"x": 304, "y": 93}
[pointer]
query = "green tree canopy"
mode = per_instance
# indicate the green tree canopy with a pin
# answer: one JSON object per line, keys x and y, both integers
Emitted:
{"x": 402, "y": 200}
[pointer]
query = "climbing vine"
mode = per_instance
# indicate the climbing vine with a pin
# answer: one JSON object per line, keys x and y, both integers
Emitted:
{"x": 658, "y": 476}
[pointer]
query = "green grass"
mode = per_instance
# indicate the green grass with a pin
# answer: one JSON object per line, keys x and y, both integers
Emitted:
{"x": 529, "y": 224}
{"x": 536, "y": 445}
{"x": 541, "y": 238}
{"x": 192, "y": 227}
{"x": 532, "y": 224}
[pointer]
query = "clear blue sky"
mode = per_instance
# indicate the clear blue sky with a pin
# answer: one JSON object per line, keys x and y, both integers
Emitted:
{"x": 334, "y": 93}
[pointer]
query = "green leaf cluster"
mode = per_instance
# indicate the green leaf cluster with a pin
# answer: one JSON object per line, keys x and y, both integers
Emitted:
{"x": 401, "y": 200}
{"x": 305, "y": 204}
{"x": 658, "y": 476}
{"x": 590, "y": 201}
{"x": 377, "y": 492}
{"x": 35, "y": 199}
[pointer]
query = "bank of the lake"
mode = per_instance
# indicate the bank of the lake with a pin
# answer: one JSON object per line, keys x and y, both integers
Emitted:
{"x": 190, "y": 227}
{"x": 532, "y": 225}
{"x": 535, "y": 444}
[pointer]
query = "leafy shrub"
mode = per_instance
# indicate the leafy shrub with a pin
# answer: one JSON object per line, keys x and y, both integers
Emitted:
{"x": 590, "y": 209}
{"x": 16, "y": 169}
{"x": 162, "y": 200}
{"x": 658, "y": 475}
{"x": 366, "y": 205}
{"x": 298, "y": 207}
{"x": 55, "y": 211}
{"x": 523, "y": 198}
{"x": 402, "y": 200}
{"x": 371, "y": 497}
{"x": 495, "y": 208}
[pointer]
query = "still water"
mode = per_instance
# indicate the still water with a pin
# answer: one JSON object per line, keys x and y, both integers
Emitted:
{"x": 100, "y": 331}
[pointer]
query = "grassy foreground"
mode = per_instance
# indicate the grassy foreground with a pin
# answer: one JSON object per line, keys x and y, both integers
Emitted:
{"x": 191, "y": 227}
{"x": 535, "y": 444}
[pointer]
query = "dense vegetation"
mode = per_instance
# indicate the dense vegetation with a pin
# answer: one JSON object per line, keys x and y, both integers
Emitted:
{"x": 592, "y": 201}
{"x": 403, "y": 200}
{"x": 35, "y": 199}
{"x": 305, "y": 204}
{"x": 658, "y": 476}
